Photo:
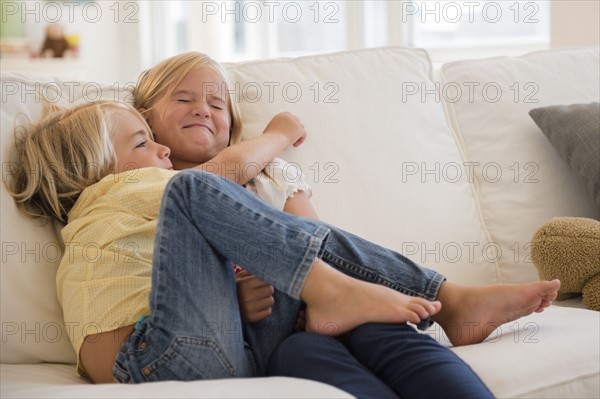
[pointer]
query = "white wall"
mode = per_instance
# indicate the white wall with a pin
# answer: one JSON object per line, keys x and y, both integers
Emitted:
{"x": 109, "y": 35}
{"x": 110, "y": 47}
{"x": 575, "y": 23}
{"x": 113, "y": 49}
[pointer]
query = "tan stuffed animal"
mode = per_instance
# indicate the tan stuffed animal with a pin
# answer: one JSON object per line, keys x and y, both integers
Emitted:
{"x": 568, "y": 248}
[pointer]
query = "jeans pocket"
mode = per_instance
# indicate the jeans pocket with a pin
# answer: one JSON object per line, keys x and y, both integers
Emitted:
{"x": 188, "y": 359}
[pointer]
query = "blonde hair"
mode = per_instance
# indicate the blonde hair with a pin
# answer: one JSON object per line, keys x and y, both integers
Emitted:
{"x": 54, "y": 160}
{"x": 161, "y": 80}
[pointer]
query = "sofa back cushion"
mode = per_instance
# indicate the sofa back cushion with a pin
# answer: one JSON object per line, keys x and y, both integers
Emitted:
{"x": 33, "y": 329}
{"x": 520, "y": 178}
{"x": 369, "y": 160}
{"x": 382, "y": 161}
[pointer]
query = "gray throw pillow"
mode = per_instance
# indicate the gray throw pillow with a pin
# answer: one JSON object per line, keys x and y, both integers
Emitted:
{"x": 574, "y": 131}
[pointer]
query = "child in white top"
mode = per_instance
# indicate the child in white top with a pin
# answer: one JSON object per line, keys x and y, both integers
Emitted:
{"x": 185, "y": 102}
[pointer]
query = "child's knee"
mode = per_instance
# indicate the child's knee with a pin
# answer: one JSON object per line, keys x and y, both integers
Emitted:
{"x": 299, "y": 350}
{"x": 303, "y": 343}
{"x": 370, "y": 332}
{"x": 299, "y": 341}
{"x": 189, "y": 181}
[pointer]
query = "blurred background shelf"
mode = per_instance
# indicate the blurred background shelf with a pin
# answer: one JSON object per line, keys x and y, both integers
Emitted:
{"x": 63, "y": 68}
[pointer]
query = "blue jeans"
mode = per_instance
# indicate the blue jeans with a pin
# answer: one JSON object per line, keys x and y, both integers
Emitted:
{"x": 378, "y": 361}
{"x": 194, "y": 330}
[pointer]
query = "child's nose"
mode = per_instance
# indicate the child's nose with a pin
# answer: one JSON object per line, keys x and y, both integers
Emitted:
{"x": 201, "y": 108}
{"x": 164, "y": 151}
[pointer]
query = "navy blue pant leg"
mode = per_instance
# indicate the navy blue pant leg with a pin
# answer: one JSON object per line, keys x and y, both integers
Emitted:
{"x": 413, "y": 365}
{"x": 325, "y": 359}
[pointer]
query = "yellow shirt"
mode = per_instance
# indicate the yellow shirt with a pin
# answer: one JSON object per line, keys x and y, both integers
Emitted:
{"x": 104, "y": 278}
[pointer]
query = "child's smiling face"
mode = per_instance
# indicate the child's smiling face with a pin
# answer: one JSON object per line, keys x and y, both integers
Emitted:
{"x": 134, "y": 147}
{"x": 194, "y": 121}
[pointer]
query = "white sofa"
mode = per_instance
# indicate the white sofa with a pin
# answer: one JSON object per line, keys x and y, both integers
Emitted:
{"x": 452, "y": 172}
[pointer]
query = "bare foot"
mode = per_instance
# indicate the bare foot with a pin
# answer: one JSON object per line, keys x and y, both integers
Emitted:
{"x": 471, "y": 314}
{"x": 343, "y": 303}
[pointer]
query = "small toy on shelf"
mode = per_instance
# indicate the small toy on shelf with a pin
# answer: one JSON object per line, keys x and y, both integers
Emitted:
{"x": 55, "y": 44}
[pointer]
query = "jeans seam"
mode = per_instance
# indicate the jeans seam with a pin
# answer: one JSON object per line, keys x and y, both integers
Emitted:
{"x": 369, "y": 275}
{"x": 314, "y": 246}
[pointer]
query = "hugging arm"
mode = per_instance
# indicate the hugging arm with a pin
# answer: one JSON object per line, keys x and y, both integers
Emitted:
{"x": 235, "y": 162}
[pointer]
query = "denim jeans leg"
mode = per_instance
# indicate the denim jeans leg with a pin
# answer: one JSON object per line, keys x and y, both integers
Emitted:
{"x": 274, "y": 246}
{"x": 251, "y": 232}
{"x": 263, "y": 336}
{"x": 360, "y": 259}
{"x": 325, "y": 359}
{"x": 279, "y": 248}
{"x": 346, "y": 252}
{"x": 194, "y": 330}
{"x": 414, "y": 365}
{"x": 364, "y": 260}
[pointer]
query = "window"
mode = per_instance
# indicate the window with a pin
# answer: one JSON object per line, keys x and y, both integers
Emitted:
{"x": 450, "y": 29}
{"x": 450, "y": 23}
{"x": 250, "y": 29}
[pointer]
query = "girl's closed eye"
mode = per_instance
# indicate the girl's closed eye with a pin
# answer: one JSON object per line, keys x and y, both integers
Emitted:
{"x": 182, "y": 96}
{"x": 217, "y": 103}
{"x": 142, "y": 144}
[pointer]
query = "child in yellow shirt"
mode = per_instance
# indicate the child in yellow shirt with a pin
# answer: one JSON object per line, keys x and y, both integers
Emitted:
{"x": 139, "y": 230}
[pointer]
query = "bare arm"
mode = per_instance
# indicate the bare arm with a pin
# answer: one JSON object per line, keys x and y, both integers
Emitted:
{"x": 244, "y": 161}
{"x": 300, "y": 205}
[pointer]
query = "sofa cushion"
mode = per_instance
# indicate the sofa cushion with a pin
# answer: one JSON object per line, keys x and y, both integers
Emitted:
{"x": 574, "y": 130}
{"x": 508, "y": 362}
{"x": 521, "y": 180}
{"x": 62, "y": 381}
{"x": 553, "y": 354}
{"x": 382, "y": 162}
{"x": 32, "y": 324}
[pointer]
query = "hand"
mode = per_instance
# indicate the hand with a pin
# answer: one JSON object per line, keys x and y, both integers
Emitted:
{"x": 255, "y": 297}
{"x": 289, "y": 125}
